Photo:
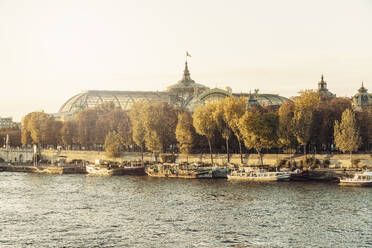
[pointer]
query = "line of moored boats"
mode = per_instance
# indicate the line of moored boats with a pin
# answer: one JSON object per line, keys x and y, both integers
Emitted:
{"x": 200, "y": 171}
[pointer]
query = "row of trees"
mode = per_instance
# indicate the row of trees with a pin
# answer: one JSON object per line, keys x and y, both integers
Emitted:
{"x": 310, "y": 119}
{"x": 307, "y": 121}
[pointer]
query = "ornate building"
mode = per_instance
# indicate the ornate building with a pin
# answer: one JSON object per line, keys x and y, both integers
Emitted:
{"x": 322, "y": 88}
{"x": 185, "y": 93}
{"x": 362, "y": 100}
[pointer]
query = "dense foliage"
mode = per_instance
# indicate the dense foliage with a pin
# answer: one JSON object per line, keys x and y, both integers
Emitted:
{"x": 309, "y": 122}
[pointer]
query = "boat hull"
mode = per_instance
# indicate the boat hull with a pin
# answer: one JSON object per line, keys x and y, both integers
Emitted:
{"x": 355, "y": 184}
{"x": 253, "y": 179}
{"x": 91, "y": 170}
{"x": 170, "y": 175}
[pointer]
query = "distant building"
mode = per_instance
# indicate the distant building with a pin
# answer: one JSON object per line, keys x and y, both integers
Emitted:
{"x": 185, "y": 93}
{"x": 362, "y": 100}
{"x": 322, "y": 88}
{"x": 7, "y": 122}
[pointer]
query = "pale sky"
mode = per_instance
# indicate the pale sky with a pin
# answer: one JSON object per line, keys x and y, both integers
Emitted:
{"x": 51, "y": 50}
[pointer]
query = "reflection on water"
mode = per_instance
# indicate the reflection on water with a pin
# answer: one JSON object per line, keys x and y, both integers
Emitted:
{"x": 126, "y": 211}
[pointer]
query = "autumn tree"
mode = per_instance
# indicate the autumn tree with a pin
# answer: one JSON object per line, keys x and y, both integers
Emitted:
{"x": 259, "y": 131}
{"x": 185, "y": 133}
{"x": 222, "y": 124}
{"x": 68, "y": 133}
{"x": 112, "y": 144}
{"x": 328, "y": 111}
{"x": 234, "y": 109}
{"x": 286, "y": 133}
{"x": 160, "y": 121}
{"x": 86, "y": 125}
{"x": 14, "y": 136}
{"x": 154, "y": 126}
{"x": 25, "y": 131}
{"x": 302, "y": 123}
{"x": 137, "y": 123}
{"x": 115, "y": 120}
{"x": 204, "y": 123}
{"x": 346, "y": 133}
{"x": 41, "y": 128}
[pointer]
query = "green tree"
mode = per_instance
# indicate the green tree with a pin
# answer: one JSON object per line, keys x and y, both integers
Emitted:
{"x": 112, "y": 144}
{"x": 259, "y": 131}
{"x": 205, "y": 124}
{"x": 346, "y": 133}
{"x": 234, "y": 109}
{"x": 185, "y": 133}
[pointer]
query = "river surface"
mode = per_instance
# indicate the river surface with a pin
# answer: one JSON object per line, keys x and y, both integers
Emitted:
{"x": 128, "y": 211}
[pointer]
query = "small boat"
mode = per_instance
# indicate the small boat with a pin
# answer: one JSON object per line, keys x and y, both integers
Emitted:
{"x": 103, "y": 170}
{"x": 106, "y": 169}
{"x": 299, "y": 175}
{"x": 258, "y": 175}
{"x": 364, "y": 179}
{"x": 171, "y": 171}
{"x": 220, "y": 172}
{"x": 205, "y": 174}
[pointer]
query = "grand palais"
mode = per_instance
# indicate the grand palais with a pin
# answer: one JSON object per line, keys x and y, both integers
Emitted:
{"x": 185, "y": 93}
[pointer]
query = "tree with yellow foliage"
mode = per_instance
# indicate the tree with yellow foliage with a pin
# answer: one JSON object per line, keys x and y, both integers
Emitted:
{"x": 112, "y": 144}
{"x": 234, "y": 109}
{"x": 222, "y": 125}
{"x": 346, "y": 133}
{"x": 204, "y": 123}
{"x": 302, "y": 122}
{"x": 138, "y": 127}
{"x": 259, "y": 130}
{"x": 185, "y": 133}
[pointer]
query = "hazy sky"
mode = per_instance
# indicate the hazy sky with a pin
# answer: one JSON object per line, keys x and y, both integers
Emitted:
{"x": 51, "y": 50}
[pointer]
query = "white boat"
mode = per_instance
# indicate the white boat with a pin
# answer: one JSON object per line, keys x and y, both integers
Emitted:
{"x": 258, "y": 175}
{"x": 364, "y": 179}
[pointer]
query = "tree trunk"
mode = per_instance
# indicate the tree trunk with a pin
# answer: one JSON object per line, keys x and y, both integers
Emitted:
{"x": 142, "y": 153}
{"x": 240, "y": 149}
{"x": 261, "y": 159}
{"x": 351, "y": 160}
{"x": 210, "y": 150}
{"x": 227, "y": 150}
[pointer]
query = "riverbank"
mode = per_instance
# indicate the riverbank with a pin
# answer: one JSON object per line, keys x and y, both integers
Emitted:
{"x": 332, "y": 160}
{"x": 43, "y": 169}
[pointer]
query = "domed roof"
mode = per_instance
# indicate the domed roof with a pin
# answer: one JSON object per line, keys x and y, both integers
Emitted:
{"x": 265, "y": 99}
{"x": 186, "y": 82}
{"x": 123, "y": 99}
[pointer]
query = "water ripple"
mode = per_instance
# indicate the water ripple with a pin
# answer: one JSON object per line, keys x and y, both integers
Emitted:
{"x": 81, "y": 211}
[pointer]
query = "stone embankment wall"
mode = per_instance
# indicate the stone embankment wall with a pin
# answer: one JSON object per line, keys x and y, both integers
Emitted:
{"x": 338, "y": 160}
{"x": 16, "y": 155}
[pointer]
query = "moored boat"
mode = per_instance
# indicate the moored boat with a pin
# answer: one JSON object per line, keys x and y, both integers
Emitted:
{"x": 359, "y": 179}
{"x": 220, "y": 172}
{"x": 107, "y": 169}
{"x": 103, "y": 170}
{"x": 258, "y": 175}
{"x": 171, "y": 171}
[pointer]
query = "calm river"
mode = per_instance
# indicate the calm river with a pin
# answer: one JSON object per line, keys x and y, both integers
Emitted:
{"x": 126, "y": 211}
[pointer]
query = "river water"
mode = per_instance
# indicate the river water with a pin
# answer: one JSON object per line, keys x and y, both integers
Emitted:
{"x": 128, "y": 211}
